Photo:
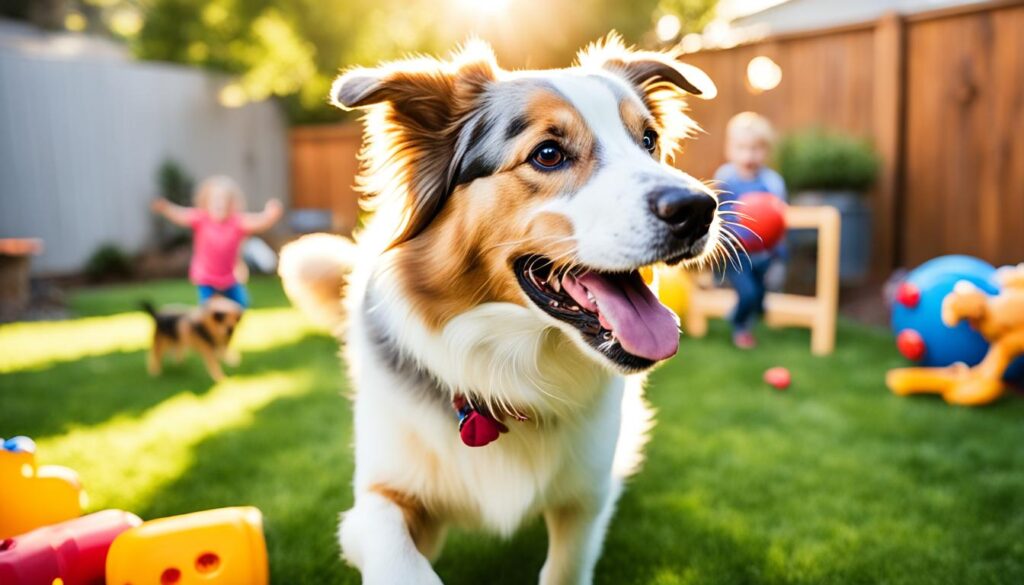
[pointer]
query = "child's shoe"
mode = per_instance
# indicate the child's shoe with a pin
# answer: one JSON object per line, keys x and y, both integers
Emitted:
{"x": 744, "y": 340}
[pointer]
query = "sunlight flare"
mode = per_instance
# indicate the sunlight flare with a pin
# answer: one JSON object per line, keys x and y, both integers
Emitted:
{"x": 483, "y": 7}
{"x": 126, "y": 460}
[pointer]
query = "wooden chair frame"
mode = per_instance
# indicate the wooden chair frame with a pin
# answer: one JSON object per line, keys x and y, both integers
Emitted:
{"x": 818, "y": 312}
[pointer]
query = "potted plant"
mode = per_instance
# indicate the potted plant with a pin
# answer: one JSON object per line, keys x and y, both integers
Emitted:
{"x": 175, "y": 185}
{"x": 828, "y": 168}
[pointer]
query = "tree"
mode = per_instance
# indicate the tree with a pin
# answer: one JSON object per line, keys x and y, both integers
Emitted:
{"x": 294, "y": 48}
{"x": 693, "y": 14}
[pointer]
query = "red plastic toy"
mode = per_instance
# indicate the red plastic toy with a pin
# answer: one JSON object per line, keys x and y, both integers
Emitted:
{"x": 763, "y": 221}
{"x": 75, "y": 551}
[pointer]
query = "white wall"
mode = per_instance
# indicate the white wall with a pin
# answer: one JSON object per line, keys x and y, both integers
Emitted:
{"x": 81, "y": 139}
{"x": 799, "y": 15}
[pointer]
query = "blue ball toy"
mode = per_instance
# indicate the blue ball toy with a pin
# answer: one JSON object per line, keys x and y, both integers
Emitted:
{"x": 921, "y": 336}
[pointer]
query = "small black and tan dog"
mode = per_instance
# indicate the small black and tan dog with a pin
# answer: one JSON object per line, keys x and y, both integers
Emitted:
{"x": 206, "y": 329}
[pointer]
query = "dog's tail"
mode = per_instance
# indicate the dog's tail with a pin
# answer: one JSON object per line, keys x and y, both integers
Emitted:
{"x": 314, "y": 270}
{"x": 148, "y": 307}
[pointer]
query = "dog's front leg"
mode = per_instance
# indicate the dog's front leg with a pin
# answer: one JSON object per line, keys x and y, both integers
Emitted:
{"x": 376, "y": 538}
{"x": 575, "y": 535}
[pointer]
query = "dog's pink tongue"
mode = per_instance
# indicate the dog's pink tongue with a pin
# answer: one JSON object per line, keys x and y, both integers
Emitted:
{"x": 643, "y": 326}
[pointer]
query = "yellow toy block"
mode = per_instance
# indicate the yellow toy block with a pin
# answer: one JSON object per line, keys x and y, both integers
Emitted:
{"x": 223, "y": 546}
{"x": 32, "y": 496}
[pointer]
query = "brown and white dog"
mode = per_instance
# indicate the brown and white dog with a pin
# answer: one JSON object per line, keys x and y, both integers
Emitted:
{"x": 500, "y": 274}
{"x": 206, "y": 329}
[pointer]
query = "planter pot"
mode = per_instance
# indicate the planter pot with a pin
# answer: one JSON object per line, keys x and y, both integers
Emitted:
{"x": 855, "y": 220}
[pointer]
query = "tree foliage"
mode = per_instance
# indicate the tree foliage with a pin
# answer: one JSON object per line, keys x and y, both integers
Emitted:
{"x": 294, "y": 48}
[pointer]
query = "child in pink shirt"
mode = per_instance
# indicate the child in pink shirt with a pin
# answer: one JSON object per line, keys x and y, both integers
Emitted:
{"x": 219, "y": 227}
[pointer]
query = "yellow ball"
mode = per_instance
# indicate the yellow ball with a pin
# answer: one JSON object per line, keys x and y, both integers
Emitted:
{"x": 674, "y": 288}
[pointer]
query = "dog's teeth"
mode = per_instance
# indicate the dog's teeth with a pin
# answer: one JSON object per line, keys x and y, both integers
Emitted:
{"x": 574, "y": 308}
{"x": 590, "y": 297}
{"x": 557, "y": 285}
{"x": 553, "y": 304}
{"x": 533, "y": 277}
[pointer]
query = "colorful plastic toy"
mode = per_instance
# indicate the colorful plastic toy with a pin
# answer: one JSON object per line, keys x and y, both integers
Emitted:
{"x": 921, "y": 335}
{"x": 72, "y": 552}
{"x": 19, "y": 444}
{"x": 997, "y": 318}
{"x": 32, "y": 496}
{"x": 762, "y": 221}
{"x": 223, "y": 546}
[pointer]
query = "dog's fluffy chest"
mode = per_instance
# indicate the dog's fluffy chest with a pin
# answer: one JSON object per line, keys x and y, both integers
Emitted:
{"x": 408, "y": 435}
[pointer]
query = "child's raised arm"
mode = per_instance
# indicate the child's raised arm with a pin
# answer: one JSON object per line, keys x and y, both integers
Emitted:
{"x": 176, "y": 214}
{"x": 255, "y": 223}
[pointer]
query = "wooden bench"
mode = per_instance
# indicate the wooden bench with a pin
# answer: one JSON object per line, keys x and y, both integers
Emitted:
{"x": 818, "y": 312}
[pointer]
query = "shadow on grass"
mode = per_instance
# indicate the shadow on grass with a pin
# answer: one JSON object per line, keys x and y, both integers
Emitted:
{"x": 294, "y": 463}
{"x": 91, "y": 390}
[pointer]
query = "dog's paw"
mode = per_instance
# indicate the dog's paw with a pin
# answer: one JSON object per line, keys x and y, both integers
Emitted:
{"x": 389, "y": 573}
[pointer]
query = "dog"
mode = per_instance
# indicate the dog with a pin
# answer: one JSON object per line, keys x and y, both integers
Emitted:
{"x": 206, "y": 329}
{"x": 496, "y": 324}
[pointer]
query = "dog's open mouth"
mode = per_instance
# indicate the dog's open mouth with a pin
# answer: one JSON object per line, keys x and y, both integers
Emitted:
{"x": 616, "y": 313}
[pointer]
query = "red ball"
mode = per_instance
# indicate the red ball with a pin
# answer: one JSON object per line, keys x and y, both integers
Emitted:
{"x": 908, "y": 295}
{"x": 911, "y": 344}
{"x": 778, "y": 378}
{"x": 762, "y": 217}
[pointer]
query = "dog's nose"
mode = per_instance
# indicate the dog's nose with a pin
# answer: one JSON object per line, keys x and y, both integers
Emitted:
{"x": 688, "y": 213}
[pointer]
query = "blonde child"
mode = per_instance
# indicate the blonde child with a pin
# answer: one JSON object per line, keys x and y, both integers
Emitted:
{"x": 219, "y": 225}
{"x": 749, "y": 140}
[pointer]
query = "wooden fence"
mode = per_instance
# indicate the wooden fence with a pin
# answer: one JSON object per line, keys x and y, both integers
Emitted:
{"x": 323, "y": 171}
{"x": 940, "y": 94}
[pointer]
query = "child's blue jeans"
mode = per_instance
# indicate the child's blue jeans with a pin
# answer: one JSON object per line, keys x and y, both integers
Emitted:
{"x": 748, "y": 282}
{"x": 235, "y": 292}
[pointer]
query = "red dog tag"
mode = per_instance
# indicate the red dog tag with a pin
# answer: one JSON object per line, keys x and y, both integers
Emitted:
{"x": 479, "y": 429}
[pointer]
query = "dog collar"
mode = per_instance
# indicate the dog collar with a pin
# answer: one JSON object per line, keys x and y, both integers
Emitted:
{"x": 478, "y": 427}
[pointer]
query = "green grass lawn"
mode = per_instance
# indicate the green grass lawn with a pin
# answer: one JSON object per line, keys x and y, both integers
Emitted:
{"x": 833, "y": 481}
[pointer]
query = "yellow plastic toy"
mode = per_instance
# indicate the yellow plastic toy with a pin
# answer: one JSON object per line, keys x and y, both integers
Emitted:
{"x": 999, "y": 319}
{"x": 32, "y": 496}
{"x": 674, "y": 286}
{"x": 223, "y": 546}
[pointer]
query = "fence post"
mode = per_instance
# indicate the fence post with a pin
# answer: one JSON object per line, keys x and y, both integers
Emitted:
{"x": 889, "y": 130}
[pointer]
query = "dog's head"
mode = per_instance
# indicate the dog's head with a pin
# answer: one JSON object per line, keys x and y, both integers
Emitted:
{"x": 219, "y": 316}
{"x": 548, "y": 189}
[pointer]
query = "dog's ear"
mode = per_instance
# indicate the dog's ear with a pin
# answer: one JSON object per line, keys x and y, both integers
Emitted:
{"x": 415, "y": 111}
{"x": 661, "y": 81}
{"x": 648, "y": 70}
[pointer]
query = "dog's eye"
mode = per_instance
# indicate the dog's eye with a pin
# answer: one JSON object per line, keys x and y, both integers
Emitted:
{"x": 548, "y": 156}
{"x": 650, "y": 140}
